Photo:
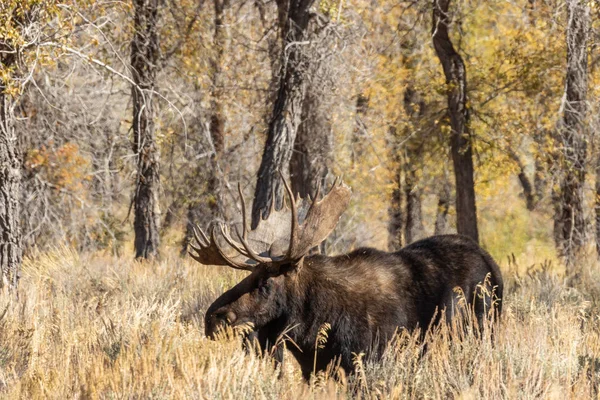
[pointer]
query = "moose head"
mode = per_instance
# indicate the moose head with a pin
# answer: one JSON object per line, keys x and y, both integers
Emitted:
{"x": 262, "y": 297}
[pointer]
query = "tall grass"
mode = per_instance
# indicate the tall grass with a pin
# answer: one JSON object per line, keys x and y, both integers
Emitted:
{"x": 97, "y": 326}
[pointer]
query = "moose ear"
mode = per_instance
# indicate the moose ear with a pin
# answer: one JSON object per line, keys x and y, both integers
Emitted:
{"x": 291, "y": 267}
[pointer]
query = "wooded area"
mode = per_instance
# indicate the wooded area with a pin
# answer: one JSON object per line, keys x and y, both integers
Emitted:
{"x": 127, "y": 123}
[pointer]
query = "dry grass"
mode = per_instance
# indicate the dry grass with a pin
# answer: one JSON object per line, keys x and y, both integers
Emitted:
{"x": 95, "y": 326}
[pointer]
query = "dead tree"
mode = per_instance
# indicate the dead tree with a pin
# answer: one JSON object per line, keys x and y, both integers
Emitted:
{"x": 287, "y": 110}
{"x": 569, "y": 219}
{"x": 460, "y": 141}
{"x": 10, "y": 186}
{"x": 144, "y": 58}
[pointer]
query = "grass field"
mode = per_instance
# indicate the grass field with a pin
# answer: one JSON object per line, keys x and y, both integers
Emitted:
{"x": 97, "y": 326}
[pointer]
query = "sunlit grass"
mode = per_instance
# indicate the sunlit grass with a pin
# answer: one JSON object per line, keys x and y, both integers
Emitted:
{"x": 97, "y": 326}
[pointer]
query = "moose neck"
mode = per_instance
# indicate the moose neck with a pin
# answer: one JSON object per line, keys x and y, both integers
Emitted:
{"x": 315, "y": 296}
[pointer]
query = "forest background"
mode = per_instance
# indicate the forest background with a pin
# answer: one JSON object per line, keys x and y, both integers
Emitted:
{"x": 124, "y": 124}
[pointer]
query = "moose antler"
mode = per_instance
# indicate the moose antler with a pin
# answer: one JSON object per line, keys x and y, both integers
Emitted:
{"x": 208, "y": 251}
{"x": 321, "y": 218}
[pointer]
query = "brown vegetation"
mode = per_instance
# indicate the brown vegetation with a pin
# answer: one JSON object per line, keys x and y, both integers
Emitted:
{"x": 100, "y": 326}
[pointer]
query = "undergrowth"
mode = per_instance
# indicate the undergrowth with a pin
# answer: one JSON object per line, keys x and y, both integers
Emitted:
{"x": 98, "y": 326}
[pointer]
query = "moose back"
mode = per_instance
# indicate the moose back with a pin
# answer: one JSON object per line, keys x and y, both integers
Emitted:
{"x": 365, "y": 296}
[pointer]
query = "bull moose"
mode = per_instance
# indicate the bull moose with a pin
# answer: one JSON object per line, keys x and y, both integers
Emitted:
{"x": 365, "y": 296}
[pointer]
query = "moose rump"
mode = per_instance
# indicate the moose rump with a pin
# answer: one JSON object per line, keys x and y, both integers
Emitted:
{"x": 361, "y": 298}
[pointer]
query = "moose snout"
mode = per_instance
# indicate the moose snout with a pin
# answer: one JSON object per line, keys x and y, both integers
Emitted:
{"x": 218, "y": 319}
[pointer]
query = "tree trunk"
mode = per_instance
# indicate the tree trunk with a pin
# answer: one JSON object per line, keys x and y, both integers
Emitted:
{"x": 414, "y": 229}
{"x": 198, "y": 209}
{"x": 144, "y": 57}
{"x": 540, "y": 182}
{"x": 569, "y": 219}
{"x": 441, "y": 219}
{"x": 287, "y": 111}
{"x": 274, "y": 43}
{"x": 528, "y": 189}
{"x": 414, "y": 108}
{"x": 313, "y": 147}
{"x": 360, "y": 129}
{"x": 597, "y": 205}
{"x": 396, "y": 217}
{"x": 10, "y": 194}
{"x": 460, "y": 143}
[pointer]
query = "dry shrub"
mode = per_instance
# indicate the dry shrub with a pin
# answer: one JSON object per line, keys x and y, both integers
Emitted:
{"x": 98, "y": 326}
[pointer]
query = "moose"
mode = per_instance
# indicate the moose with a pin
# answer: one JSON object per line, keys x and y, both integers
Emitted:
{"x": 365, "y": 297}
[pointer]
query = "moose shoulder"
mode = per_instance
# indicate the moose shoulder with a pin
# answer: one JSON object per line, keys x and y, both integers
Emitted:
{"x": 365, "y": 296}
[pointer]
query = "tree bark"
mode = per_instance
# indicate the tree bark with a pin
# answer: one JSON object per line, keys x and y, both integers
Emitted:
{"x": 569, "y": 219}
{"x": 414, "y": 229}
{"x": 313, "y": 148}
{"x": 360, "y": 129}
{"x": 528, "y": 189}
{"x": 144, "y": 57}
{"x": 395, "y": 214}
{"x": 287, "y": 111}
{"x": 414, "y": 107}
{"x": 460, "y": 142}
{"x": 198, "y": 209}
{"x": 10, "y": 191}
{"x": 396, "y": 217}
{"x": 541, "y": 161}
{"x": 441, "y": 218}
{"x": 597, "y": 205}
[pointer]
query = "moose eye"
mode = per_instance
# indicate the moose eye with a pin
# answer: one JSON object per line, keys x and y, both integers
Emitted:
{"x": 264, "y": 287}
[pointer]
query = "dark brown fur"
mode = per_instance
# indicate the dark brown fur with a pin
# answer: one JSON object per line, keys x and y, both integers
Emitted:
{"x": 366, "y": 296}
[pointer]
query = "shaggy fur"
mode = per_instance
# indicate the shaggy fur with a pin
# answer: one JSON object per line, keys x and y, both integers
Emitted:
{"x": 366, "y": 296}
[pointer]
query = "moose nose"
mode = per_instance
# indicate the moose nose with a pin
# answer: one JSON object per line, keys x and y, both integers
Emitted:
{"x": 219, "y": 320}
{"x": 231, "y": 317}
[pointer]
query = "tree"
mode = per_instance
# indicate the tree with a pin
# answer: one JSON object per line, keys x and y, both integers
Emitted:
{"x": 414, "y": 107}
{"x": 443, "y": 206}
{"x": 569, "y": 219}
{"x": 23, "y": 24}
{"x": 144, "y": 58}
{"x": 460, "y": 140}
{"x": 529, "y": 191}
{"x": 216, "y": 130}
{"x": 396, "y": 216}
{"x": 287, "y": 110}
{"x": 10, "y": 183}
{"x": 313, "y": 147}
